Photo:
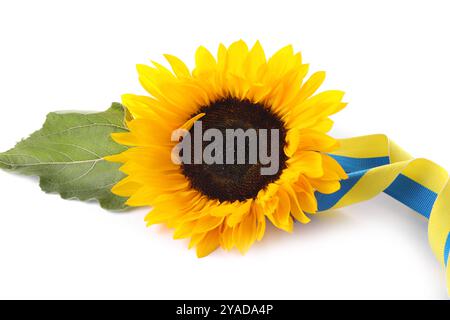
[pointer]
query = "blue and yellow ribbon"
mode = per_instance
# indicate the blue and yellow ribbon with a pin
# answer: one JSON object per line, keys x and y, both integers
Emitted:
{"x": 376, "y": 164}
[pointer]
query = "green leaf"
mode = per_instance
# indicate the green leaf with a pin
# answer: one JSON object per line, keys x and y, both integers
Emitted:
{"x": 67, "y": 154}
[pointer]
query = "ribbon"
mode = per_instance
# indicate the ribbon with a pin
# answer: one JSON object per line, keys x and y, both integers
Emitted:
{"x": 376, "y": 164}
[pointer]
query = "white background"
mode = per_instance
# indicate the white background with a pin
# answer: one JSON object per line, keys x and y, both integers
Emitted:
{"x": 392, "y": 59}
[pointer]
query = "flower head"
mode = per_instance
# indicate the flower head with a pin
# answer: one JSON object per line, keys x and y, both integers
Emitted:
{"x": 219, "y": 202}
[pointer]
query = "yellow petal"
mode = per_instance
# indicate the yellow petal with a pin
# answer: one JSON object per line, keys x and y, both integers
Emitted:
{"x": 316, "y": 108}
{"x": 226, "y": 238}
{"x": 282, "y": 213}
{"x": 261, "y": 219}
{"x": 178, "y": 66}
{"x": 116, "y": 158}
{"x": 204, "y": 61}
{"x": 307, "y": 201}
{"x": 247, "y": 233}
{"x": 322, "y": 125}
{"x": 207, "y": 223}
{"x": 332, "y": 169}
{"x": 195, "y": 239}
{"x": 237, "y": 55}
{"x": 308, "y": 163}
{"x": 256, "y": 59}
{"x": 241, "y": 210}
{"x": 223, "y": 209}
{"x": 296, "y": 209}
{"x": 188, "y": 124}
{"x": 208, "y": 243}
{"x": 281, "y": 60}
{"x": 311, "y": 85}
{"x": 292, "y": 142}
{"x": 184, "y": 230}
{"x": 222, "y": 57}
{"x": 324, "y": 186}
{"x": 316, "y": 141}
{"x": 126, "y": 187}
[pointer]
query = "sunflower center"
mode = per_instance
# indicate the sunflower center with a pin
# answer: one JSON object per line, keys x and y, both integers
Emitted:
{"x": 244, "y": 176}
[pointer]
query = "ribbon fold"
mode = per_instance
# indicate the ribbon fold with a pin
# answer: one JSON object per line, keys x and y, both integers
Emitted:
{"x": 376, "y": 164}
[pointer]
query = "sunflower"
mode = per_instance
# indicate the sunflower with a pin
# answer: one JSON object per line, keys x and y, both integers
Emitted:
{"x": 229, "y": 205}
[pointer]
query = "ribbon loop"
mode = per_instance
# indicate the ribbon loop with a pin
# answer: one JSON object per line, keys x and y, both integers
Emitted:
{"x": 376, "y": 164}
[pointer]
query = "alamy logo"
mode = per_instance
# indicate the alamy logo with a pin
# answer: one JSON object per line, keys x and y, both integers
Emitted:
{"x": 229, "y": 147}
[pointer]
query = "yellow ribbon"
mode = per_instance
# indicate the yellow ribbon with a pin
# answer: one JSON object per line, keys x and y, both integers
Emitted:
{"x": 376, "y": 164}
